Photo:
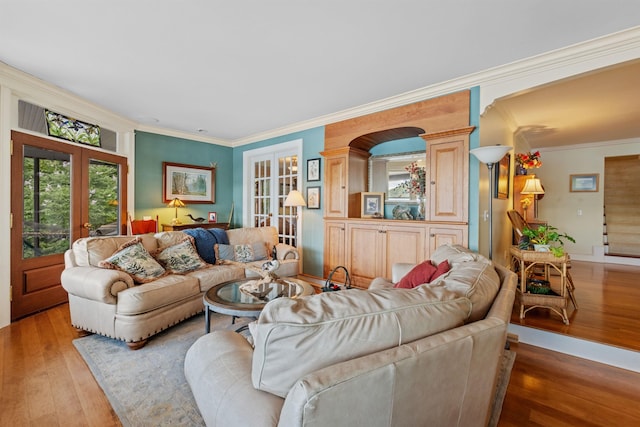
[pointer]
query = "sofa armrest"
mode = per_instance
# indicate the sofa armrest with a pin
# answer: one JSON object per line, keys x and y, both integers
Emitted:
{"x": 218, "y": 370}
{"x": 287, "y": 251}
{"x": 97, "y": 284}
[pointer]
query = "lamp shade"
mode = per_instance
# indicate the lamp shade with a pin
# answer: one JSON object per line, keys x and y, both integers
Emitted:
{"x": 532, "y": 186}
{"x": 294, "y": 198}
{"x": 176, "y": 203}
{"x": 490, "y": 153}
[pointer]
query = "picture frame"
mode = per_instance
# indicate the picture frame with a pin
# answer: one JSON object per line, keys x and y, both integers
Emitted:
{"x": 189, "y": 183}
{"x": 502, "y": 178}
{"x": 371, "y": 205}
{"x": 313, "y": 169}
{"x": 313, "y": 197}
{"x": 213, "y": 217}
{"x": 581, "y": 183}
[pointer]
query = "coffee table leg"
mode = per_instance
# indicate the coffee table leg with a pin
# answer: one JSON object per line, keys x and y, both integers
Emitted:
{"x": 207, "y": 325}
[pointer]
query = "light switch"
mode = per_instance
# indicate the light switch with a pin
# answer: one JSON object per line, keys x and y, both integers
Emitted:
{"x": 579, "y": 212}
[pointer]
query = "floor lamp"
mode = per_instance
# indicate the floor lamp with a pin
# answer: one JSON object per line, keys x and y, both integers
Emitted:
{"x": 490, "y": 155}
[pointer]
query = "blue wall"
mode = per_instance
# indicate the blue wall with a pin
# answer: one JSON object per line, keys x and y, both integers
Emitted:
{"x": 153, "y": 149}
{"x": 312, "y": 223}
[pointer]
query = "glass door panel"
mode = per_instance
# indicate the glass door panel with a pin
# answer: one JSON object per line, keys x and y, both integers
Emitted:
{"x": 104, "y": 198}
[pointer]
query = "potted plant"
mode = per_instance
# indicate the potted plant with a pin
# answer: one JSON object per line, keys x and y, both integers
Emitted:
{"x": 546, "y": 238}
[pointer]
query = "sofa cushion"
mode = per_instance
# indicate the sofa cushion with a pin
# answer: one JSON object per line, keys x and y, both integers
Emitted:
{"x": 160, "y": 293}
{"x": 294, "y": 337}
{"x": 89, "y": 251}
{"x": 456, "y": 254}
{"x": 424, "y": 272}
{"x": 133, "y": 259}
{"x": 248, "y": 252}
{"x": 181, "y": 257}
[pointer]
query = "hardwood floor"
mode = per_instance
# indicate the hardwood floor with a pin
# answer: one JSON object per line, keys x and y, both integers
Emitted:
{"x": 45, "y": 382}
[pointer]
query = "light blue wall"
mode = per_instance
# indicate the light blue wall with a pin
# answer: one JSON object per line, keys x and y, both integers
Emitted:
{"x": 474, "y": 180}
{"x": 153, "y": 149}
{"x": 312, "y": 223}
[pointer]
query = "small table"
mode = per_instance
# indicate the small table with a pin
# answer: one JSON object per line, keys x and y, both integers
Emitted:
{"x": 227, "y": 298}
{"x": 526, "y": 261}
{"x": 180, "y": 227}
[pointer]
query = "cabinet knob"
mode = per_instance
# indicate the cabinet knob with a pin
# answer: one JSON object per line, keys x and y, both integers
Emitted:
{"x": 432, "y": 235}
{"x": 433, "y": 183}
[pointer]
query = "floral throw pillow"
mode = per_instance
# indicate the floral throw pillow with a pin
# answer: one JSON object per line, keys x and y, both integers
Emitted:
{"x": 181, "y": 257}
{"x": 241, "y": 253}
{"x": 133, "y": 258}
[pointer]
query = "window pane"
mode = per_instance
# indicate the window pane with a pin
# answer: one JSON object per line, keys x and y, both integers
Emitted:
{"x": 104, "y": 198}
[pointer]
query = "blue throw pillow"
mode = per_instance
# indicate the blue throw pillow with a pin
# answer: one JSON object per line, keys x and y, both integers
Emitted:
{"x": 205, "y": 240}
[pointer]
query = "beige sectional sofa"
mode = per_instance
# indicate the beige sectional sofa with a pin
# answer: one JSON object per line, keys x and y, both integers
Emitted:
{"x": 378, "y": 357}
{"x": 109, "y": 302}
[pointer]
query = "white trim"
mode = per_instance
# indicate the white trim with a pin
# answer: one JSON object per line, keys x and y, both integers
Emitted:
{"x": 601, "y": 353}
{"x": 5, "y": 209}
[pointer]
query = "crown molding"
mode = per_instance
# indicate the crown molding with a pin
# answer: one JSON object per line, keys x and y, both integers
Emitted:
{"x": 183, "y": 135}
{"x": 601, "y": 144}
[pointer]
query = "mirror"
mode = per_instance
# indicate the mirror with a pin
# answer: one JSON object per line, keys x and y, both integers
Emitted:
{"x": 390, "y": 174}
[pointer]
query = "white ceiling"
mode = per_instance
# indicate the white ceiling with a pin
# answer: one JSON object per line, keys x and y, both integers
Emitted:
{"x": 236, "y": 69}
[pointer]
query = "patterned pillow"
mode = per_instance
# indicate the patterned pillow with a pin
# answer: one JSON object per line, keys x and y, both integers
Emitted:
{"x": 133, "y": 258}
{"x": 241, "y": 253}
{"x": 181, "y": 257}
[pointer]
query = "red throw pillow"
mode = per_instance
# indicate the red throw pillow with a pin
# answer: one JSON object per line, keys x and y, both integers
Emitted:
{"x": 443, "y": 267}
{"x": 418, "y": 275}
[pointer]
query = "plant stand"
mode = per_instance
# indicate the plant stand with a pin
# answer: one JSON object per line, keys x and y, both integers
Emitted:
{"x": 523, "y": 262}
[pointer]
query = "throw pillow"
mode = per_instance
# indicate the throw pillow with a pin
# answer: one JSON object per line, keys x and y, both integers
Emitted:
{"x": 204, "y": 241}
{"x": 241, "y": 253}
{"x": 443, "y": 268}
{"x": 181, "y": 257}
{"x": 133, "y": 259}
{"x": 418, "y": 275}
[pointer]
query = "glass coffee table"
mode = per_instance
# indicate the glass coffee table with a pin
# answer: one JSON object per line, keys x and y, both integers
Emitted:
{"x": 237, "y": 298}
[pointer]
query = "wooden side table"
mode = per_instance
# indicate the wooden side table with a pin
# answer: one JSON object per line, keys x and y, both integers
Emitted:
{"x": 179, "y": 227}
{"x": 526, "y": 261}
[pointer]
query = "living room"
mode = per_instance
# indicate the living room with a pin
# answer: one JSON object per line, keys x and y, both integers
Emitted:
{"x": 147, "y": 145}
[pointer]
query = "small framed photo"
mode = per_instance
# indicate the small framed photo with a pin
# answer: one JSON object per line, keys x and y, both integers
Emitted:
{"x": 313, "y": 170}
{"x": 213, "y": 217}
{"x": 313, "y": 197}
{"x": 372, "y": 205}
{"x": 584, "y": 182}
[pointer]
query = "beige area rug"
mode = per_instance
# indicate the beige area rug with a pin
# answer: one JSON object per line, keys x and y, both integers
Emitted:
{"x": 147, "y": 387}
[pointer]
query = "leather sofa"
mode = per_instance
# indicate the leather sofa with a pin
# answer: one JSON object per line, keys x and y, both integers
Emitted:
{"x": 378, "y": 357}
{"x": 109, "y": 302}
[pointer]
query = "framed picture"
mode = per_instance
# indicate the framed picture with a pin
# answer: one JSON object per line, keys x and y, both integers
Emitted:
{"x": 584, "y": 182}
{"x": 501, "y": 189}
{"x": 313, "y": 170}
{"x": 213, "y": 217}
{"x": 313, "y": 197}
{"x": 371, "y": 205}
{"x": 191, "y": 184}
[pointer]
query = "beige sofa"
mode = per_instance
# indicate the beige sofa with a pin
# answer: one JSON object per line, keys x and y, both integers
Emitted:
{"x": 378, "y": 357}
{"x": 109, "y": 302}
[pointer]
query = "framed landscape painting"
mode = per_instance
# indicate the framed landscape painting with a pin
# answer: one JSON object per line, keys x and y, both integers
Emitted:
{"x": 191, "y": 184}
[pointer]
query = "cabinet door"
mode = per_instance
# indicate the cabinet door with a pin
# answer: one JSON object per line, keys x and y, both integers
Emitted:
{"x": 403, "y": 244}
{"x": 448, "y": 180}
{"x": 364, "y": 253}
{"x": 447, "y": 234}
{"x": 335, "y": 195}
{"x": 334, "y": 248}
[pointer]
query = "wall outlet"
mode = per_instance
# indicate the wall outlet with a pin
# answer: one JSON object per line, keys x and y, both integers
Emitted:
{"x": 579, "y": 212}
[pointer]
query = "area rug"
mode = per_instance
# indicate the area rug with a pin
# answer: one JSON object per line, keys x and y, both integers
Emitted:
{"x": 147, "y": 387}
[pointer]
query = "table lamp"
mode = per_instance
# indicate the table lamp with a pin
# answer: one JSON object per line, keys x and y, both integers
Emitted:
{"x": 490, "y": 155}
{"x": 532, "y": 187}
{"x": 176, "y": 203}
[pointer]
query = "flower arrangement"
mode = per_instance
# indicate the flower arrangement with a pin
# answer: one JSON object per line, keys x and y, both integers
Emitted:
{"x": 529, "y": 160}
{"x": 415, "y": 185}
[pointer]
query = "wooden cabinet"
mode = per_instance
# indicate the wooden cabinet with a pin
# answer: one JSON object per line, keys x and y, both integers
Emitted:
{"x": 372, "y": 247}
{"x": 447, "y": 189}
{"x": 345, "y": 178}
{"x": 334, "y": 248}
{"x": 443, "y": 234}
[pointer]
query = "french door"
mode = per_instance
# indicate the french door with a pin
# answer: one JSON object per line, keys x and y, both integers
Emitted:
{"x": 273, "y": 173}
{"x": 59, "y": 193}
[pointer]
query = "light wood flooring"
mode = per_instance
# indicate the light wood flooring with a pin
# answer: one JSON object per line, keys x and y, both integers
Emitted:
{"x": 45, "y": 382}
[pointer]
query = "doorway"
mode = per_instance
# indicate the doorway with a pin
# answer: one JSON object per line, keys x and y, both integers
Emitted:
{"x": 59, "y": 193}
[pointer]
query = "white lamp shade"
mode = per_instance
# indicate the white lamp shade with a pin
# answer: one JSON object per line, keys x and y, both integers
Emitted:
{"x": 532, "y": 186}
{"x": 490, "y": 153}
{"x": 294, "y": 198}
